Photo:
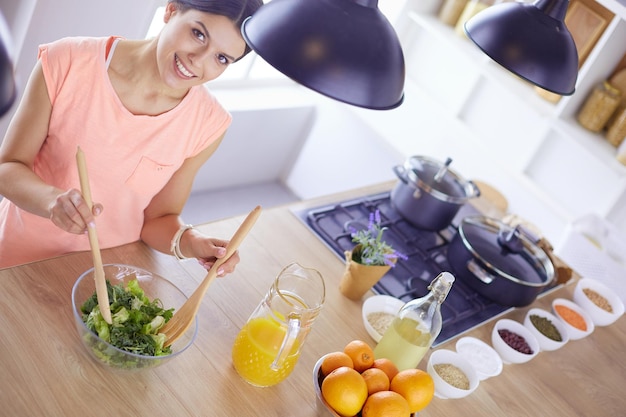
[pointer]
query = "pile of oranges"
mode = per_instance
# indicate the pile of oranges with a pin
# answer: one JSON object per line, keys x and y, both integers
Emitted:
{"x": 354, "y": 382}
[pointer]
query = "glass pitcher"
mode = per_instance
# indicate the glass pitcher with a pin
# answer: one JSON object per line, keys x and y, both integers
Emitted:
{"x": 268, "y": 346}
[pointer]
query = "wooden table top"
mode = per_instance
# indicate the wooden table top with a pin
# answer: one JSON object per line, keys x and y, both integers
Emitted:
{"x": 46, "y": 371}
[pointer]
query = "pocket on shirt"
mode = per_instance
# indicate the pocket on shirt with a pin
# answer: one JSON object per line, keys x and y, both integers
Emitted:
{"x": 149, "y": 176}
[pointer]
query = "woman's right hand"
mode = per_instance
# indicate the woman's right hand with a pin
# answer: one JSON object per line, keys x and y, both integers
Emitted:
{"x": 70, "y": 212}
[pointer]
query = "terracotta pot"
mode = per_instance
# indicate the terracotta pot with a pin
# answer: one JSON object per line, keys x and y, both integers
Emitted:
{"x": 358, "y": 278}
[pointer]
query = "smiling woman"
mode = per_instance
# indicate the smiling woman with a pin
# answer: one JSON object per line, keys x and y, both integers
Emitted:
{"x": 154, "y": 121}
{"x": 251, "y": 68}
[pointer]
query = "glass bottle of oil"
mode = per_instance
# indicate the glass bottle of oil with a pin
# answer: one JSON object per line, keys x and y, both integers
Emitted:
{"x": 416, "y": 326}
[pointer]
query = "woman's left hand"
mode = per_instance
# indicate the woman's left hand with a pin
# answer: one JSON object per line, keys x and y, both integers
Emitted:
{"x": 213, "y": 249}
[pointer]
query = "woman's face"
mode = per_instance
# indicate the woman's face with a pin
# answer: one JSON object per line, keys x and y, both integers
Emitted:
{"x": 195, "y": 47}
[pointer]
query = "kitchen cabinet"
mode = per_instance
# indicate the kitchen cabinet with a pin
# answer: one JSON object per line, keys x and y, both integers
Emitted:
{"x": 538, "y": 142}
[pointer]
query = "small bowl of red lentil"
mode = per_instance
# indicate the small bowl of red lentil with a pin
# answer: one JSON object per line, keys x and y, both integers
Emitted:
{"x": 453, "y": 374}
{"x": 378, "y": 312}
{"x": 550, "y": 332}
{"x": 514, "y": 342}
{"x": 577, "y": 321}
{"x": 602, "y": 304}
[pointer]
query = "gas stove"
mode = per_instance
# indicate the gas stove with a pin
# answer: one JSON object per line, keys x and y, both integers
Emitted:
{"x": 463, "y": 308}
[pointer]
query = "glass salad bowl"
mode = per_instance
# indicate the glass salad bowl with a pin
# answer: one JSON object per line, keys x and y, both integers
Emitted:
{"x": 125, "y": 348}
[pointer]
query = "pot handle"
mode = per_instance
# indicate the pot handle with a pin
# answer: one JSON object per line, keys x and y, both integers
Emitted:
{"x": 476, "y": 192}
{"x": 479, "y": 272}
{"x": 401, "y": 173}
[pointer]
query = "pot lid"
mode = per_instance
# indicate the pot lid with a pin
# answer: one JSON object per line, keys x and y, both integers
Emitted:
{"x": 439, "y": 180}
{"x": 506, "y": 250}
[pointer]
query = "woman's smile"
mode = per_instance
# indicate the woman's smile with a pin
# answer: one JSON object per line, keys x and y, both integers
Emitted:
{"x": 181, "y": 68}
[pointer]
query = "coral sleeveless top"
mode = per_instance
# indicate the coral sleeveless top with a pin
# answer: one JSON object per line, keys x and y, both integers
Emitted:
{"x": 129, "y": 157}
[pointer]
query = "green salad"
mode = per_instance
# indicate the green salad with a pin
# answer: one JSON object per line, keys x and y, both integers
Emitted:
{"x": 136, "y": 320}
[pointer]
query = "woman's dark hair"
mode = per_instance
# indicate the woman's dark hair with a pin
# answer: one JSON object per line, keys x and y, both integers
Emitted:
{"x": 235, "y": 10}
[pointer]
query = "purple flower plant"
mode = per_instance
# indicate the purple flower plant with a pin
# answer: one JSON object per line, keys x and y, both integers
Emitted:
{"x": 373, "y": 250}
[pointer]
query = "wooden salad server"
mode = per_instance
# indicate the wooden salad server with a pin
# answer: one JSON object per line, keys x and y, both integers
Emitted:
{"x": 183, "y": 318}
{"x": 101, "y": 286}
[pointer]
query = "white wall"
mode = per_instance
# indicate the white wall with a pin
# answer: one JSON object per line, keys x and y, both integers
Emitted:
{"x": 341, "y": 153}
{"x": 259, "y": 147}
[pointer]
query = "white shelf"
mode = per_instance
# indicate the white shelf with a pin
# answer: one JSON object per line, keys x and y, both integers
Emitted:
{"x": 547, "y": 149}
{"x": 595, "y": 144}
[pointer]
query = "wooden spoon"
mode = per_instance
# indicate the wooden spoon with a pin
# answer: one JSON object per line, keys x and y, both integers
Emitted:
{"x": 101, "y": 286}
{"x": 185, "y": 315}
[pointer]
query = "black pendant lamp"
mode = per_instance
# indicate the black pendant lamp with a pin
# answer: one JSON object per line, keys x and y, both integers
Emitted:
{"x": 343, "y": 49}
{"x": 530, "y": 40}
{"x": 8, "y": 89}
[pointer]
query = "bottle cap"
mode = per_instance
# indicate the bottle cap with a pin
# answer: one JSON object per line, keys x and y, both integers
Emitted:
{"x": 447, "y": 278}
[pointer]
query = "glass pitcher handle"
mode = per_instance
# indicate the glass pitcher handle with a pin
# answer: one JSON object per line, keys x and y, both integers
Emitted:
{"x": 293, "y": 329}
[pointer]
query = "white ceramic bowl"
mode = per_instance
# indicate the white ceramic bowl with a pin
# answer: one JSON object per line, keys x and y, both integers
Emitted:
{"x": 444, "y": 389}
{"x": 507, "y": 353}
{"x": 574, "y": 332}
{"x": 379, "y": 304}
{"x": 482, "y": 356}
{"x": 546, "y": 343}
{"x": 600, "y": 316}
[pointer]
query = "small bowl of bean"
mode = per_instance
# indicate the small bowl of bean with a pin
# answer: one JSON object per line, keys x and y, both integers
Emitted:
{"x": 378, "y": 312}
{"x": 513, "y": 341}
{"x": 550, "y": 332}
{"x": 601, "y": 303}
{"x": 453, "y": 374}
{"x": 577, "y": 321}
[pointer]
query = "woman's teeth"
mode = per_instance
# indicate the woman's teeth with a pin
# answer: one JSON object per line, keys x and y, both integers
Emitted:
{"x": 182, "y": 69}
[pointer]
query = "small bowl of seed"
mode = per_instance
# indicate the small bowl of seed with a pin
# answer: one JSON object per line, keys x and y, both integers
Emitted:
{"x": 453, "y": 374}
{"x": 601, "y": 303}
{"x": 550, "y": 332}
{"x": 378, "y": 312}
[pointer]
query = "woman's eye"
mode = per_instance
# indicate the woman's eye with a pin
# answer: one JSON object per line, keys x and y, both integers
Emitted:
{"x": 198, "y": 34}
{"x": 223, "y": 60}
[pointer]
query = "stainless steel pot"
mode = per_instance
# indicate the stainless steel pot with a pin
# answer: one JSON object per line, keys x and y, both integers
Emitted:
{"x": 429, "y": 193}
{"x": 500, "y": 262}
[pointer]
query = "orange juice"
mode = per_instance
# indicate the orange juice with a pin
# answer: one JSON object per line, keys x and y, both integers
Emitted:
{"x": 255, "y": 349}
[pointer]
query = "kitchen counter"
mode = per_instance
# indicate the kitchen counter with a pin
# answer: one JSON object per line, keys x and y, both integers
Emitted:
{"x": 46, "y": 371}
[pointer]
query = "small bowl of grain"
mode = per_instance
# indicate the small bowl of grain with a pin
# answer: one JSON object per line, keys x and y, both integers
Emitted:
{"x": 601, "y": 303}
{"x": 453, "y": 374}
{"x": 378, "y": 312}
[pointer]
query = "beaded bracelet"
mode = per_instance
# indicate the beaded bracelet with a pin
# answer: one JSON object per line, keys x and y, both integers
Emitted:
{"x": 175, "y": 245}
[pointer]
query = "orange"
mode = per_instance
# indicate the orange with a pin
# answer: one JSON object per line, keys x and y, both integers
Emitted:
{"x": 335, "y": 360}
{"x": 376, "y": 380}
{"x": 361, "y": 353}
{"x": 386, "y": 365}
{"x": 345, "y": 390}
{"x": 416, "y": 386}
{"x": 386, "y": 404}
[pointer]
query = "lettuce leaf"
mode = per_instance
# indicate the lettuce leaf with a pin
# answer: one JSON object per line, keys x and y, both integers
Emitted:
{"x": 136, "y": 320}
